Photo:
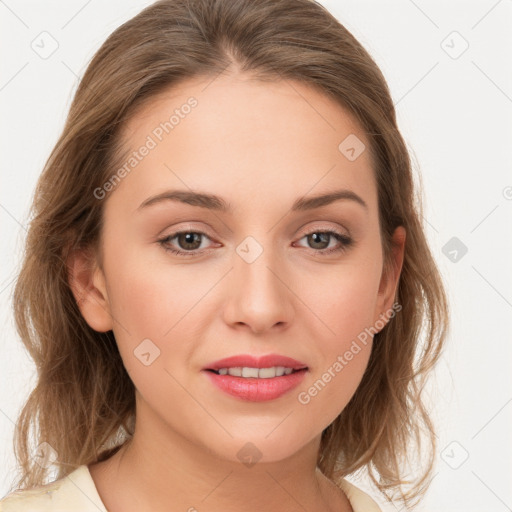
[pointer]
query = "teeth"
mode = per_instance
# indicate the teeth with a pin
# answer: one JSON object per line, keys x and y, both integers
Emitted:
{"x": 258, "y": 373}
{"x": 249, "y": 372}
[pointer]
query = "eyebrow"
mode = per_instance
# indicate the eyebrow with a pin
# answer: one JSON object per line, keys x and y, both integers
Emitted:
{"x": 216, "y": 203}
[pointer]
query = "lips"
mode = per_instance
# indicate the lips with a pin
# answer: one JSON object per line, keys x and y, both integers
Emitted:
{"x": 247, "y": 360}
{"x": 256, "y": 390}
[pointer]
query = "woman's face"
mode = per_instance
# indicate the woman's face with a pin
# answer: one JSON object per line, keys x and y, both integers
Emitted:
{"x": 261, "y": 271}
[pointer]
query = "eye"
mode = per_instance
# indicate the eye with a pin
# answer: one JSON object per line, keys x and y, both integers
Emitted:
{"x": 189, "y": 240}
{"x": 321, "y": 240}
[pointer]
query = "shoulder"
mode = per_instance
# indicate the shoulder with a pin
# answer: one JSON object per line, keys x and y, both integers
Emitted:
{"x": 359, "y": 500}
{"x": 74, "y": 492}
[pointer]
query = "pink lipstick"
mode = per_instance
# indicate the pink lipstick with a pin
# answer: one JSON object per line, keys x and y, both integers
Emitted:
{"x": 256, "y": 379}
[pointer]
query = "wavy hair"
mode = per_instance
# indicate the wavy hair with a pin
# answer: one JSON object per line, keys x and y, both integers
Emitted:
{"x": 83, "y": 404}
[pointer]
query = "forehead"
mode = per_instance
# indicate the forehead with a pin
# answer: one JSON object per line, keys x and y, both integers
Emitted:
{"x": 240, "y": 137}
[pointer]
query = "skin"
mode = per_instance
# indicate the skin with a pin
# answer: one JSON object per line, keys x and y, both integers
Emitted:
{"x": 260, "y": 146}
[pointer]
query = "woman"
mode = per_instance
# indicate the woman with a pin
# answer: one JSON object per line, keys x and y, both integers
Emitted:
{"x": 226, "y": 276}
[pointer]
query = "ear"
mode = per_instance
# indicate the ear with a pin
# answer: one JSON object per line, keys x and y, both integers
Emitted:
{"x": 87, "y": 282}
{"x": 391, "y": 275}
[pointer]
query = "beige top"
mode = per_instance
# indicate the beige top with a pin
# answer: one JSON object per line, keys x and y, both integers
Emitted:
{"x": 77, "y": 493}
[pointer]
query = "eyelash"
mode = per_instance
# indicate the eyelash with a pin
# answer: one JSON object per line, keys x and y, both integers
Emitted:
{"x": 346, "y": 242}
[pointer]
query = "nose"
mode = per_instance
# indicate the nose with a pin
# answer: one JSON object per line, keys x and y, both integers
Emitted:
{"x": 259, "y": 297}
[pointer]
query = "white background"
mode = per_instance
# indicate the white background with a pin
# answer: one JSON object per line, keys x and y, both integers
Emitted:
{"x": 456, "y": 117}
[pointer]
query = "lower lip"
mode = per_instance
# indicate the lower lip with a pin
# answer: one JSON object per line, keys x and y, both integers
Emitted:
{"x": 257, "y": 390}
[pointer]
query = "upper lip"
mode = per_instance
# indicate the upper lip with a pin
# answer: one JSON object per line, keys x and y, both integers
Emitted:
{"x": 249, "y": 361}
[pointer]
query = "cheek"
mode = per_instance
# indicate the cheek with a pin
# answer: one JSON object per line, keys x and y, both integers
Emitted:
{"x": 161, "y": 303}
{"x": 344, "y": 302}
{"x": 342, "y": 298}
{"x": 343, "y": 358}
{"x": 330, "y": 389}
{"x": 151, "y": 299}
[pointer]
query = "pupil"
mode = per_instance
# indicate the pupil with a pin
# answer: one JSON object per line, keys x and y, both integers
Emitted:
{"x": 188, "y": 238}
{"x": 316, "y": 238}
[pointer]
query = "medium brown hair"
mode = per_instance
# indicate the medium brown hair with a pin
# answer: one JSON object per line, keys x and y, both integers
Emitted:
{"x": 83, "y": 404}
